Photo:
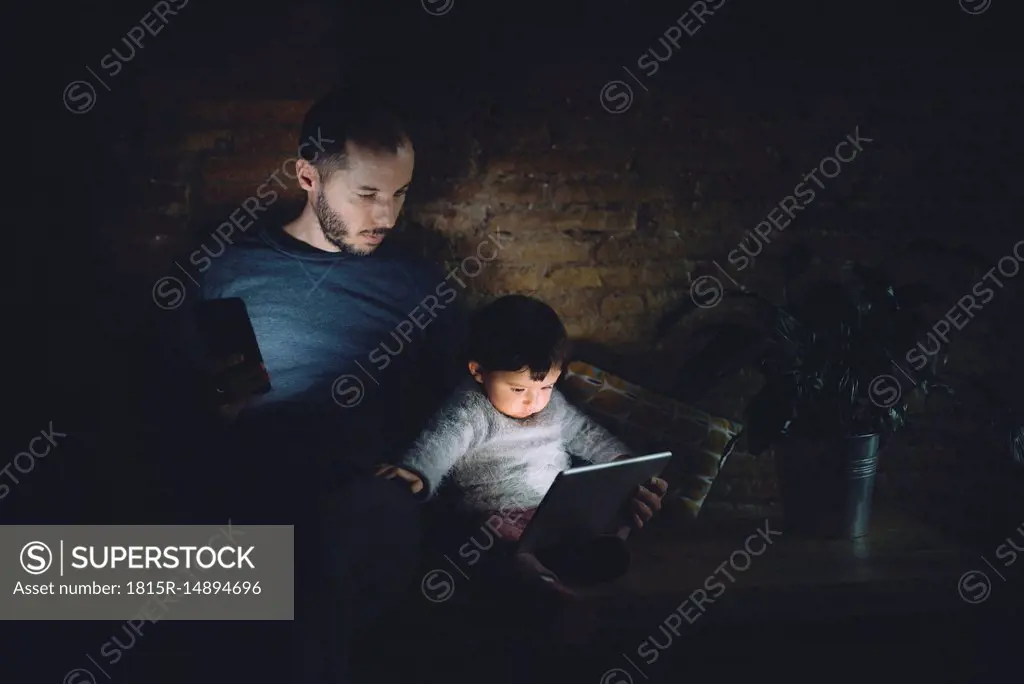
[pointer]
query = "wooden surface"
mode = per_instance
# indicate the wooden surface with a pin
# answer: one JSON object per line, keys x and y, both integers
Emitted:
{"x": 900, "y": 567}
{"x": 884, "y": 608}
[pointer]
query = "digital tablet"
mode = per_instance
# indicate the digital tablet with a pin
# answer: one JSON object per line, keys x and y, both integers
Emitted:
{"x": 584, "y": 502}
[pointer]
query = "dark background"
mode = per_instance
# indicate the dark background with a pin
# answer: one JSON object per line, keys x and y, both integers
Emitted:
{"x": 940, "y": 89}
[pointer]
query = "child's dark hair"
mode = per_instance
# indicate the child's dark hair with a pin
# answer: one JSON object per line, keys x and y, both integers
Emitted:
{"x": 516, "y": 332}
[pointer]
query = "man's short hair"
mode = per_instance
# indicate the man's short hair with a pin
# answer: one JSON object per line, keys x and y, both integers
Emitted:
{"x": 357, "y": 114}
{"x": 516, "y": 332}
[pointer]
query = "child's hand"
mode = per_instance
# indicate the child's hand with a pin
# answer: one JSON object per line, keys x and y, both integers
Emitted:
{"x": 647, "y": 501}
{"x": 390, "y": 472}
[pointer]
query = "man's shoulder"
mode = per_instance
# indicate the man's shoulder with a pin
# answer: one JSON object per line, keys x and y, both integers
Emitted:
{"x": 416, "y": 265}
{"x": 219, "y": 263}
{"x": 416, "y": 252}
{"x": 218, "y": 250}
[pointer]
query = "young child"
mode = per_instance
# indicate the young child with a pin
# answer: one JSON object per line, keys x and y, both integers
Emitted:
{"x": 506, "y": 433}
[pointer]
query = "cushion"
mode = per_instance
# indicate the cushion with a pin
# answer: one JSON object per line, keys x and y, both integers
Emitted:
{"x": 648, "y": 422}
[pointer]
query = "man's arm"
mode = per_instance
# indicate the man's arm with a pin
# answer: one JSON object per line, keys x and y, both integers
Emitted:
{"x": 444, "y": 344}
{"x": 437, "y": 366}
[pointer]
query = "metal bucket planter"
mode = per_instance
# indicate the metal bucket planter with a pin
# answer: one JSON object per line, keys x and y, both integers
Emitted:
{"x": 827, "y": 486}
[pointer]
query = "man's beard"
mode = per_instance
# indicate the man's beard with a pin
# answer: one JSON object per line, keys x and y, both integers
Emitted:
{"x": 334, "y": 229}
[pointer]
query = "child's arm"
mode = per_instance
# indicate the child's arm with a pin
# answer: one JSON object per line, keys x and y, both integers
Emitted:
{"x": 451, "y": 433}
{"x": 585, "y": 438}
{"x": 588, "y": 440}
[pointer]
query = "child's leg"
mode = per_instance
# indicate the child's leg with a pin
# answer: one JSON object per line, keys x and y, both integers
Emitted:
{"x": 601, "y": 559}
{"x": 542, "y": 598}
{"x": 508, "y": 570}
{"x": 509, "y": 525}
{"x": 534, "y": 576}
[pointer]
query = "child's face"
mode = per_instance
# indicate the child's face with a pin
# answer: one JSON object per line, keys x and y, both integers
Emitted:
{"x": 513, "y": 392}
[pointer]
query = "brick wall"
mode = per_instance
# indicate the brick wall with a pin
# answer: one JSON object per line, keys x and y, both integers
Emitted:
{"x": 610, "y": 218}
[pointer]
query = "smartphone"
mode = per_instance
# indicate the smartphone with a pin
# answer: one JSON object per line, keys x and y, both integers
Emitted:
{"x": 226, "y": 331}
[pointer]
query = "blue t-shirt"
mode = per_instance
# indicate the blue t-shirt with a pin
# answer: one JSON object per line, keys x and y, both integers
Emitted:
{"x": 360, "y": 349}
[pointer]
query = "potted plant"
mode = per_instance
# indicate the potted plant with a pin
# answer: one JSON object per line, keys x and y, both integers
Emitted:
{"x": 837, "y": 385}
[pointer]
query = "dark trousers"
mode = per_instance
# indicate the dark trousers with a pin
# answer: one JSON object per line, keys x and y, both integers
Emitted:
{"x": 357, "y": 546}
{"x": 354, "y": 562}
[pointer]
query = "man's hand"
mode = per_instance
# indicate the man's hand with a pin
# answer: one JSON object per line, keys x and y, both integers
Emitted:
{"x": 647, "y": 501}
{"x": 236, "y": 382}
{"x": 390, "y": 472}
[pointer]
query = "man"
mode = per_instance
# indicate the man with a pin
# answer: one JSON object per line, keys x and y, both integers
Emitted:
{"x": 330, "y": 303}
{"x": 353, "y": 379}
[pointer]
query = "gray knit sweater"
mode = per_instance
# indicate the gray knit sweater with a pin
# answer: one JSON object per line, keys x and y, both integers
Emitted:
{"x": 500, "y": 462}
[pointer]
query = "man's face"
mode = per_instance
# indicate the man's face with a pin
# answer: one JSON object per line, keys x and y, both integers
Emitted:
{"x": 359, "y": 204}
{"x": 514, "y": 393}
